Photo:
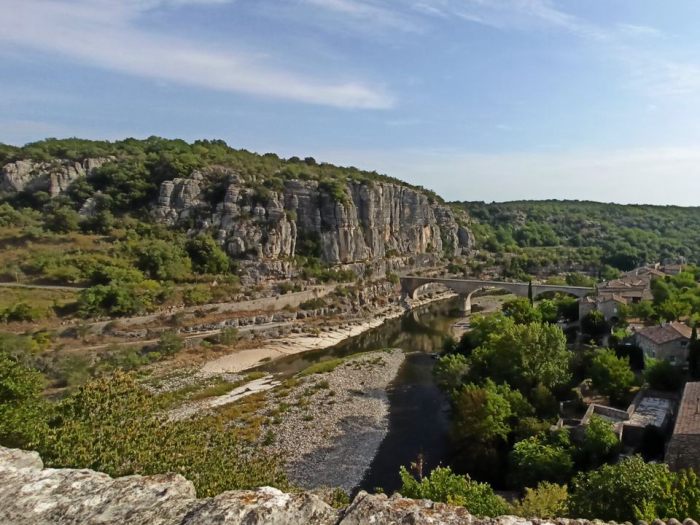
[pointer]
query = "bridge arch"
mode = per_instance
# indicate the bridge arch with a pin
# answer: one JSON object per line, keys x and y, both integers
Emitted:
{"x": 465, "y": 288}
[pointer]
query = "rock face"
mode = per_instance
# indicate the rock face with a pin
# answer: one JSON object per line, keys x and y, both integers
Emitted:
{"x": 32, "y": 495}
{"x": 369, "y": 221}
{"x": 52, "y": 177}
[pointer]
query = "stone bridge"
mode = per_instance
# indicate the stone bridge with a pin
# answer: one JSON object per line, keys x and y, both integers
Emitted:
{"x": 465, "y": 288}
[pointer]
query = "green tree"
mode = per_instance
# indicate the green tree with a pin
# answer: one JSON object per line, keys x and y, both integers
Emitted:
{"x": 22, "y": 410}
{"x": 521, "y": 311}
{"x": 170, "y": 343}
{"x": 627, "y": 491}
{"x": 546, "y": 457}
{"x": 548, "y": 311}
{"x": 612, "y": 375}
{"x": 594, "y": 323}
{"x": 444, "y": 486}
{"x": 662, "y": 375}
{"x": 483, "y": 326}
{"x": 450, "y": 370}
{"x": 163, "y": 260}
{"x": 207, "y": 255}
{"x": 61, "y": 219}
{"x": 600, "y": 443}
{"x": 524, "y": 356}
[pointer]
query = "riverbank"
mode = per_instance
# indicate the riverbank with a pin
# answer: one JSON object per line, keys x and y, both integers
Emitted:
{"x": 328, "y": 426}
{"x": 298, "y": 343}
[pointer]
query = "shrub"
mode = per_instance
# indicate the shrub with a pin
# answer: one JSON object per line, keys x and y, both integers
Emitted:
{"x": 170, "y": 343}
{"x": 444, "y": 486}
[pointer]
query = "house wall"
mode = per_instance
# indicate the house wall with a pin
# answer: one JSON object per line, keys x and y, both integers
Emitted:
{"x": 677, "y": 349}
{"x": 584, "y": 308}
{"x": 609, "y": 309}
{"x": 684, "y": 452}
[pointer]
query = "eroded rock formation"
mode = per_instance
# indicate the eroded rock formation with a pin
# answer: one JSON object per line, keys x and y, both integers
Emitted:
{"x": 371, "y": 221}
{"x": 51, "y": 177}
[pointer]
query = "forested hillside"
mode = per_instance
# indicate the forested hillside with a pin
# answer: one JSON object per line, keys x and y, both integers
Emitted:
{"x": 589, "y": 234}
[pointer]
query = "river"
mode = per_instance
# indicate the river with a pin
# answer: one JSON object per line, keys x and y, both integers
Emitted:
{"x": 418, "y": 423}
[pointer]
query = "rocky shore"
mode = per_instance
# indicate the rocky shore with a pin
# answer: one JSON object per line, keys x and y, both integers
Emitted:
{"x": 298, "y": 343}
{"x": 329, "y": 425}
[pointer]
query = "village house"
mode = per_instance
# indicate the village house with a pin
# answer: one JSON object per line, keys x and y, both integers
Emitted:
{"x": 684, "y": 448}
{"x": 669, "y": 341}
{"x": 630, "y": 288}
{"x": 608, "y": 304}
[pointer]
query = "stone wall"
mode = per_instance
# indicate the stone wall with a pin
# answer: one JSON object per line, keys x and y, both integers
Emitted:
{"x": 33, "y": 495}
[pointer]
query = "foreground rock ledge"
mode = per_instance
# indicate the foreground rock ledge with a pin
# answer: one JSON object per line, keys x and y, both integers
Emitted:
{"x": 31, "y": 494}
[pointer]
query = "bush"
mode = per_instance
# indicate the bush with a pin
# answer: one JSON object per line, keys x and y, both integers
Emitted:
{"x": 199, "y": 294}
{"x": 662, "y": 375}
{"x": 444, "y": 486}
{"x": 548, "y": 500}
{"x": 170, "y": 343}
{"x": 228, "y": 336}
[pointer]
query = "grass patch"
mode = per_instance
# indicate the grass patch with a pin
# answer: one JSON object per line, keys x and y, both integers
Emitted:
{"x": 329, "y": 366}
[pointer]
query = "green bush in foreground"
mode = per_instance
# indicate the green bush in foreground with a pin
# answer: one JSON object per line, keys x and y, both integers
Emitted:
{"x": 444, "y": 486}
{"x": 113, "y": 425}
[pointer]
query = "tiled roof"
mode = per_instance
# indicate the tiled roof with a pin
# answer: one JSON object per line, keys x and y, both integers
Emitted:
{"x": 688, "y": 420}
{"x": 665, "y": 334}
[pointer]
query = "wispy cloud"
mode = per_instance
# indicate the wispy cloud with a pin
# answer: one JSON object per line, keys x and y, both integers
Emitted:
{"x": 639, "y": 30}
{"x": 367, "y": 12}
{"x": 109, "y": 34}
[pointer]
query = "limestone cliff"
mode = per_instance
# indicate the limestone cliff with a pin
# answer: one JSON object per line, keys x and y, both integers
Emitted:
{"x": 33, "y": 495}
{"x": 52, "y": 177}
{"x": 369, "y": 222}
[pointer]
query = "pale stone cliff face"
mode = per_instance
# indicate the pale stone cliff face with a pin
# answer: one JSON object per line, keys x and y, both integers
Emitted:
{"x": 52, "y": 177}
{"x": 374, "y": 219}
{"x": 265, "y": 232}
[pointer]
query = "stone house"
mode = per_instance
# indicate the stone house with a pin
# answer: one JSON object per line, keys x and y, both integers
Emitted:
{"x": 683, "y": 450}
{"x": 668, "y": 341}
{"x": 608, "y": 304}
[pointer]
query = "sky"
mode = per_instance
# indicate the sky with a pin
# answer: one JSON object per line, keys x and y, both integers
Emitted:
{"x": 489, "y": 100}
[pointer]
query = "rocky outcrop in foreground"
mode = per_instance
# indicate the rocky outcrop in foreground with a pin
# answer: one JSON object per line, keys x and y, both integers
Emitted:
{"x": 33, "y": 495}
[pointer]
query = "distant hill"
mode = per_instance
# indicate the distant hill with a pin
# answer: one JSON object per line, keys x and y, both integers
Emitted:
{"x": 588, "y": 233}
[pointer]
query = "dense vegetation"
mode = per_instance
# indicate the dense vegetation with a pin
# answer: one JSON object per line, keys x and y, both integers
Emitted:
{"x": 130, "y": 263}
{"x": 540, "y": 235}
{"x": 115, "y": 426}
{"x": 506, "y": 379}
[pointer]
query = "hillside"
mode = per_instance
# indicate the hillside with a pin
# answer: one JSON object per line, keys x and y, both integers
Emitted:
{"x": 138, "y": 221}
{"x": 585, "y": 235}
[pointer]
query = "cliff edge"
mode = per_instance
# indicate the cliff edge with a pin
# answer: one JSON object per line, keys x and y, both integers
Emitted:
{"x": 32, "y": 494}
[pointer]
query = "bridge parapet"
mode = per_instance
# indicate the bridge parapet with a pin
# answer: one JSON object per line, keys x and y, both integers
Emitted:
{"x": 466, "y": 287}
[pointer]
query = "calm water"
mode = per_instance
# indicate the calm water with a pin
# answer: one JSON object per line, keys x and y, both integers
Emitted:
{"x": 417, "y": 420}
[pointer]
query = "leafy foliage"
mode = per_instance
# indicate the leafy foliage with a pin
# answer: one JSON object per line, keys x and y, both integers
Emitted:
{"x": 444, "y": 486}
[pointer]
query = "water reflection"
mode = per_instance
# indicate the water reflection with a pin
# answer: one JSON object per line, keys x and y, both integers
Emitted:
{"x": 417, "y": 422}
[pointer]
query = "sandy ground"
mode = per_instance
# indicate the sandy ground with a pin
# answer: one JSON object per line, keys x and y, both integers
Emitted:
{"x": 295, "y": 344}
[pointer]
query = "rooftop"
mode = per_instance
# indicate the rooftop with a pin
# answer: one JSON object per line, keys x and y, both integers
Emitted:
{"x": 667, "y": 333}
{"x": 688, "y": 420}
{"x": 651, "y": 411}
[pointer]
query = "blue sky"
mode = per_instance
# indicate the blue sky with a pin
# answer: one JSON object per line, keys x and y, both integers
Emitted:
{"x": 477, "y": 99}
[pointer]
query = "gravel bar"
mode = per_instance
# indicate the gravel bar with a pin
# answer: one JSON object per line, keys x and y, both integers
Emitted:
{"x": 331, "y": 437}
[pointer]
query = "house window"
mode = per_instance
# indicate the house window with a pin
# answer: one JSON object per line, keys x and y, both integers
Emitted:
{"x": 684, "y": 343}
{"x": 653, "y": 353}
{"x": 672, "y": 359}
